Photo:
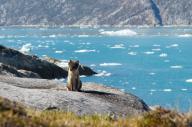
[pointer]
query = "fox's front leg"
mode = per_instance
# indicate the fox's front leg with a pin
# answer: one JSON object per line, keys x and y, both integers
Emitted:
{"x": 69, "y": 87}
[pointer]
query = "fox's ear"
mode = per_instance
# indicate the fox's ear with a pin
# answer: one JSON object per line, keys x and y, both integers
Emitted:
{"x": 70, "y": 61}
{"x": 77, "y": 61}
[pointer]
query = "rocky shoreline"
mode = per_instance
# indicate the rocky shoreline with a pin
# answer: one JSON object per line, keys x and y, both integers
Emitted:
{"x": 26, "y": 79}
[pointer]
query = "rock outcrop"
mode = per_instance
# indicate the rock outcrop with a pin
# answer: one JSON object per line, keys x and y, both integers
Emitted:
{"x": 13, "y": 72}
{"x": 21, "y": 61}
{"x": 15, "y": 63}
{"x": 95, "y": 12}
{"x": 47, "y": 94}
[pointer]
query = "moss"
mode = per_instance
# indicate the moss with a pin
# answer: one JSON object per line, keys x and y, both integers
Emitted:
{"x": 15, "y": 115}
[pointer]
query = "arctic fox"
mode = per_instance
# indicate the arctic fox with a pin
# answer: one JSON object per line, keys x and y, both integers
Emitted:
{"x": 73, "y": 80}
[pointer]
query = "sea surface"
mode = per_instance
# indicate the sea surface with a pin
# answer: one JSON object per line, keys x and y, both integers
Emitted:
{"x": 152, "y": 63}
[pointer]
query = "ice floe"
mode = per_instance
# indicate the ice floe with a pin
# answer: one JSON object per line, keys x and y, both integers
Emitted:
{"x": 83, "y": 35}
{"x": 184, "y": 89}
{"x": 156, "y": 45}
{"x": 134, "y": 46}
{"x": 133, "y": 88}
{"x": 118, "y": 46}
{"x": 163, "y": 55}
{"x": 52, "y": 36}
{"x": 103, "y": 74}
{"x": 189, "y": 81}
{"x": 153, "y": 90}
{"x": 185, "y": 35}
{"x": 84, "y": 50}
{"x": 152, "y": 73}
{"x": 172, "y": 46}
{"x": 59, "y": 52}
{"x": 26, "y": 48}
{"x": 83, "y": 76}
{"x": 110, "y": 64}
{"x": 132, "y": 53}
{"x": 92, "y": 65}
{"x": 125, "y": 32}
{"x": 43, "y": 46}
{"x": 149, "y": 53}
{"x": 167, "y": 90}
{"x": 176, "y": 67}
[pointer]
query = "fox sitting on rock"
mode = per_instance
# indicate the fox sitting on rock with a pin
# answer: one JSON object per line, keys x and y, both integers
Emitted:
{"x": 73, "y": 80}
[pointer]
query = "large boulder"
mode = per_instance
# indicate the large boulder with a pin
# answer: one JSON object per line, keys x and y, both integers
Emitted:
{"x": 50, "y": 94}
{"x": 21, "y": 61}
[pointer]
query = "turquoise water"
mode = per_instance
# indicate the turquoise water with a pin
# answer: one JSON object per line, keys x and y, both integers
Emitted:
{"x": 152, "y": 63}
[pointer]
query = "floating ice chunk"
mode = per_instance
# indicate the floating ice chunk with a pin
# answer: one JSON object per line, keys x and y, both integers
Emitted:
{"x": 167, "y": 90}
{"x": 83, "y": 35}
{"x": 85, "y": 43}
{"x": 110, "y": 64}
{"x": 125, "y": 32}
{"x": 92, "y": 65}
{"x": 153, "y": 90}
{"x": 42, "y": 46}
{"x": 172, "y": 46}
{"x": 103, "y": 74}
{"x": 133, "y": 88}
{"x": 119, "y": 46}
{"x": 185, "y": 35}
{"x": 152, "y": 73}
{"x": 83, "y": 76}
{"x": 163, "y": 55}
{"x": 184, "y": 89}
{"x": 132, "y": 53}
{"x": 149, "y": 53}
{"x": 189, "y": 80}
{"x": 176, "y": 67}
{"x": 134, "y": 46}
{"x": 155, "y": 45}
{"x": 52, "y": 36}
{"x": 59, "y": 52}
{"x": 84, "y": 50}
{"x": 26, "y": 48}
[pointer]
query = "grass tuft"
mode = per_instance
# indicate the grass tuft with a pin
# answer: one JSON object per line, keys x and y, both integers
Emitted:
{"x": 13, "y": 114}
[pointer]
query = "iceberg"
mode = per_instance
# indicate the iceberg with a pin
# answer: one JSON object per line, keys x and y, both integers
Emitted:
{"x": 125, "y": 32}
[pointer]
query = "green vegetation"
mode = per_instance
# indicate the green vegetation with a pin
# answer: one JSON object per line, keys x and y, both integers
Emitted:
{"x": 14, "y": 115}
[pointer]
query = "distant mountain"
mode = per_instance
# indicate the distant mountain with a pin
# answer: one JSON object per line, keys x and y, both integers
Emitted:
{"x": 95, "y": 12}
